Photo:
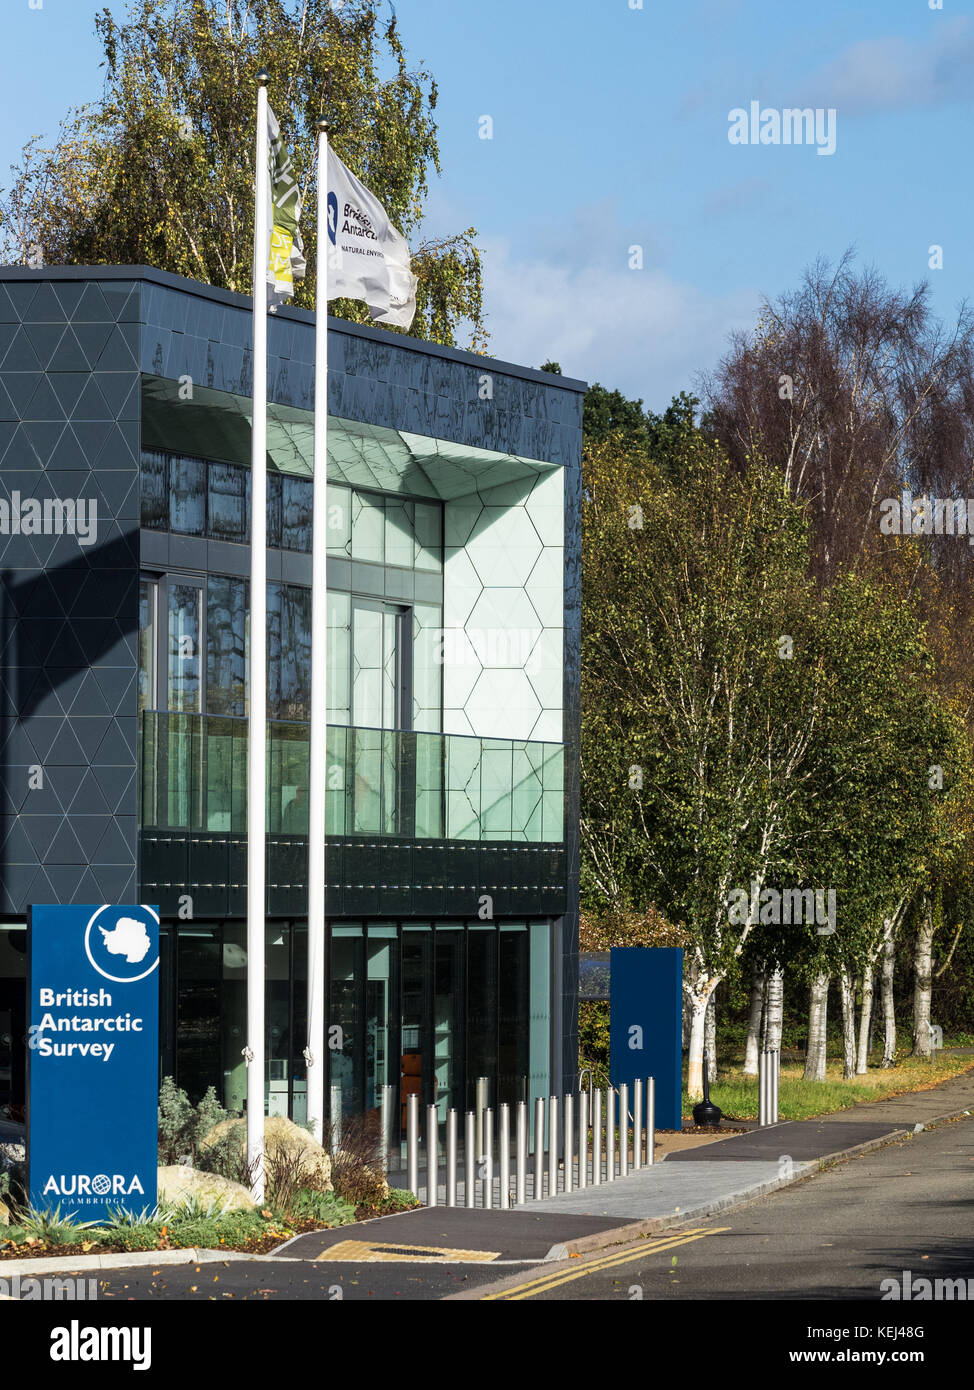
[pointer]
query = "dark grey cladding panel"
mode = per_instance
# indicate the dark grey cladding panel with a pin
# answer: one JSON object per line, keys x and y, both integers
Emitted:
{"x": 70, "y": 404}
{"x": 376, "y": 376}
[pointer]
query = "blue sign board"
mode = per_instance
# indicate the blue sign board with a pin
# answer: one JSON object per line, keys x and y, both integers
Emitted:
{"x": 646, "y": 1024}
{"x": 93, "y": 1058}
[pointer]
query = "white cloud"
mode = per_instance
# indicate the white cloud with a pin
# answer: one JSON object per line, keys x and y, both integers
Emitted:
{"x": 897, "y": 74}
{"x": 636, "y": 330}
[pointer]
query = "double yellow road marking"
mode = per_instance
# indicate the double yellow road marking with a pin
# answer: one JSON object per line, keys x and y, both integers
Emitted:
{"x": 533, "y": 1287}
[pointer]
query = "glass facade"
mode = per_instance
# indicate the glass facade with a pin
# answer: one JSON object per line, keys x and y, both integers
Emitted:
{"x": 427, "y": 1006}
{"x": 192, "y": 496}
{"x": 380, "y": 782}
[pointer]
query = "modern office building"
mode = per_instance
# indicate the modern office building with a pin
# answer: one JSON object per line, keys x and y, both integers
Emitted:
{"x": 453, "y": 681}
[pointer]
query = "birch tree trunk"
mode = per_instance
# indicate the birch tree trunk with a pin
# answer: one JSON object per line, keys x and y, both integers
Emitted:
{"x": 889, "y": 1009}
{"x": 710, "y": 1038}
{"x": 865, "y": 1021}
{"x": 923, "y": 981}
{"x": 754, "y": 1014}
{"x": 848, "y": 1025}
{"x": 774, "y": 1011}
{"x": 698, "y": 997}
{"x": 818, "y": 1015}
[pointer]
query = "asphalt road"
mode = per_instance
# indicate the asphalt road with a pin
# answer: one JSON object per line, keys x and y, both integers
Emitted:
{"x": 834, "y": 1236}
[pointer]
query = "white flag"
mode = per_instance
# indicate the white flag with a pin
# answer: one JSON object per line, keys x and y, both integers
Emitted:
{"x": 368, "y": 259}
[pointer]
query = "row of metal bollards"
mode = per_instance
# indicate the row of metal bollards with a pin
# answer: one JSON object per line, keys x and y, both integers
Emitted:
{"x": 769, "y": 1072}
{"x": 580, "y": 1149}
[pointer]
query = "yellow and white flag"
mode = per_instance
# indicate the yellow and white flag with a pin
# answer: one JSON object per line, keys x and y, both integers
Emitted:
{"x": 286, "y": 262}
{"x": 368, "y": 258}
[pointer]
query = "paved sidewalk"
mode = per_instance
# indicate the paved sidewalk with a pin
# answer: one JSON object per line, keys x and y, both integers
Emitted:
{"x": 915, "y": 1107}
{"x": 697, "y": 1182}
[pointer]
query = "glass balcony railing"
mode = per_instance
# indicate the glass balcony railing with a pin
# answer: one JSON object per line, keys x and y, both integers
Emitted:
{"x": 382, "y": 782}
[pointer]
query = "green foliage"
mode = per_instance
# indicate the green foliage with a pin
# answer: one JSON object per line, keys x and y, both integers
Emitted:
{"x": 159, "y": 170}
{"x": 183, "y": 1125}
{"x": 593, "y": 1038}
{"x": 325, "y": 1207}
{"x": 399, "y": 1200}
{"x": 121, "y": 1218}
{"x": 50, "y": 1227}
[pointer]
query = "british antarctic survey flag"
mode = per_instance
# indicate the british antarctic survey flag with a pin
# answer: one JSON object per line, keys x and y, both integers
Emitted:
{"x": 93, "y": 1058}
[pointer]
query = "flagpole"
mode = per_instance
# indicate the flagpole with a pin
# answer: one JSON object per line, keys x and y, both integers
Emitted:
{"x": 318, "y": 752}
{"x": 257, "y": 719}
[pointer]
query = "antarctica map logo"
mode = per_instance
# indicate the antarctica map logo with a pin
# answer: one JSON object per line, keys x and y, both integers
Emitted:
{"x": 120, "y": 945}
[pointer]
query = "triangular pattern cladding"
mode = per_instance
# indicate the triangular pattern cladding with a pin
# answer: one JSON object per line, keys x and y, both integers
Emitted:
{"x": 70, "y": 410}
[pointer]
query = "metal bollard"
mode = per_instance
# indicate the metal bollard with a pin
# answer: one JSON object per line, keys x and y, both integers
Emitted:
{"x": 650, "y": 1121}
{"x": 488, "y": 1159}
{"x": 610, "y": 1134}
{"x": 432, "y": 1156}
{"x": 637, "y": 1125}
{"x": 623, "y": 1131}
{"x": 480, "y": 1105}
{"x": 521, "y": 1153}
{"x": 583, "y": 1138}
{"x": 596, "y": 1138}
{"x": 385, "y": 1110}
{"x": 569, "y": 1127}
{"x": 552, "y": 1146}
{"x": 538, "y": 1148}
{"x": 335, "y": 1118}
{"x": 451, "y": 1158}
{"x": 412, "y": 1144}
{"x": 505, "y": 1156}
{"x": 470, "y": 1160}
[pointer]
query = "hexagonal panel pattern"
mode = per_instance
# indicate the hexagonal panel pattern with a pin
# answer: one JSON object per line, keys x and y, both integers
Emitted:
{"x": 504, "y": 586}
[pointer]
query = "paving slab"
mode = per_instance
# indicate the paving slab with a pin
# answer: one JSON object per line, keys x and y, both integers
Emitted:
{"x": 452, "y": 1235}
{"x": 668, "y": 1190}
{"x": 799, "y": 1139}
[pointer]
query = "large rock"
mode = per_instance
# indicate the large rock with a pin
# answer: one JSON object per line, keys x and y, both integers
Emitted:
{"x": 180, "y": 1183}
{"x": 281, "y": 1137}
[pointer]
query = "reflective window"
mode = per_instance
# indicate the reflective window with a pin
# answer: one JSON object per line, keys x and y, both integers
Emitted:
{"x": 227, "y": 502}
{"x": 338, "y": 686}
{"x": 368, "y": 528}
{"x": 429, "y": 536}
{"x": 296, "y": 513}
{"x": 227, "y": 633}
{"x": 187, "y": 496}
{"x": 185, "y": 634}
{"x": 154, "y": 489}
{"x": 288, "y": 652}
{"x": 339, "y": 520}
{"x": 399, "y": 532}
{"x": 148, "y": 634}
{"x": 274, "y": 504}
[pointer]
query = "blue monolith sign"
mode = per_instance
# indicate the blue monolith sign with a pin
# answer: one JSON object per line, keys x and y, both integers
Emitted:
{"x": 646, "y": 1024}
{"x": 93, "y": 1058}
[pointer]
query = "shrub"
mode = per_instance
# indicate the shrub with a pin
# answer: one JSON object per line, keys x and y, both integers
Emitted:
{"x": 356, "y": 1167}
{"x": 399, "y": 1199}
{"x": 50, "y": 1227}
{"x": 327, "y": 1207}
{"x": 120, "y": 1218}
{"x": 182, "y": 1125}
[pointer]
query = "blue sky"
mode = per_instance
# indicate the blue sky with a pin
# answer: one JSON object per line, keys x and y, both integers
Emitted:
{"x": 610, "y": 130}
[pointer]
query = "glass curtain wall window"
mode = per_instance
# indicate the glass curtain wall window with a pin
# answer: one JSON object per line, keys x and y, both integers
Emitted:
{"x": 193, "y": 496}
